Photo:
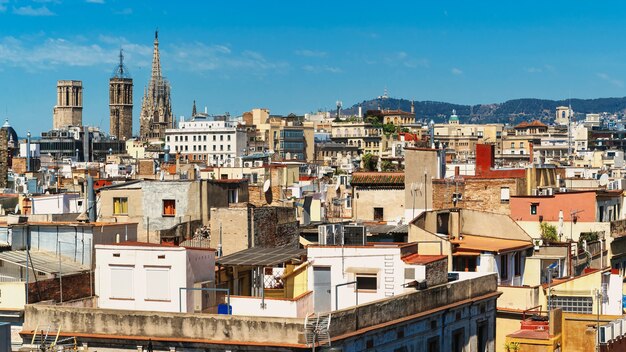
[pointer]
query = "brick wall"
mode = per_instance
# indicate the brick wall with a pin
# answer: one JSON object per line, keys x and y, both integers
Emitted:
{"x": 74, "y": 287}
{"x": 258, "y": 198}
{"x": 275, "y": 227}
{"x": 478, "y": 194}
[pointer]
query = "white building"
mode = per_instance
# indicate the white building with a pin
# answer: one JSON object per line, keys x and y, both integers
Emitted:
{"x": 143, "y": 276}
{"x": 62, "y": 203}
{"x": 203, "y": 140}
{"x": 380, "y": 271}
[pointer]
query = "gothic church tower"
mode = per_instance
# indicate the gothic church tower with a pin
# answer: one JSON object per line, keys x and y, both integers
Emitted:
{"x": 121, "y": 102}
{"x": 156, "y": 108}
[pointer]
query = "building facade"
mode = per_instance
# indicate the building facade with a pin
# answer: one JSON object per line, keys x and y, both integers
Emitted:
{"x": 203, "y": 140}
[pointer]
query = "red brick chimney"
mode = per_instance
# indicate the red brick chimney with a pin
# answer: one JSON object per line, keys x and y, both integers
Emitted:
{"x": 485, "y": 159}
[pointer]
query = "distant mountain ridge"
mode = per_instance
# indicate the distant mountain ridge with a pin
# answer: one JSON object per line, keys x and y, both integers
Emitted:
{"x": 511, "y": 111}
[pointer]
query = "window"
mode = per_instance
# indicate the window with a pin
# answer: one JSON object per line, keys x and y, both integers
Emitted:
{"x": 366, "y": 282}
{"x": 169, "y": 207}
{"x": 432, "y": 345}
{"x": 512, "y": 145}
{"x": 409, "y": 273}
{"x": 458, "y": 340}
{"x": 157, "y": 283}
{"x": 572, "y": 304}
{"x": 213, "y": 137}
{"x": 378, "y": 214}
{"x": 464, "y": 263}
{"x": 505, "y": 195}
{"x": 533, "y": 209}
{"x": 233, "y": 196}
{"x": 518, "y": 263}
{"x": 504, "y": 267}
{"x": 120, "y": 206}
{"x": 122, "y": 282}
{"x": 348, "y": 202}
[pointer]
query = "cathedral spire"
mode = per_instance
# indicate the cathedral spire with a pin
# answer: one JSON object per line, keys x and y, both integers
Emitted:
{"x": 156, "y": 61}
{"x": 194, "y": 111}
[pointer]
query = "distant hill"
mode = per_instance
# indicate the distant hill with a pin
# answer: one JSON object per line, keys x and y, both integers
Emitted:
{"x": 511, "y": 111}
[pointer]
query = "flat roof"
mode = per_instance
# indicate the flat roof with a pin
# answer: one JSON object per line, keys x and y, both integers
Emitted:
{"x": 45, "y": 262}
{"x": 260, "y": 256}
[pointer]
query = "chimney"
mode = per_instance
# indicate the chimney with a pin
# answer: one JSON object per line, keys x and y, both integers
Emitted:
{"x": 485, "y": 154}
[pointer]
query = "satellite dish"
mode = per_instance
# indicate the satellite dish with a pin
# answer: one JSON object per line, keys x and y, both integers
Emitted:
{"x": 309, "y": 171}
{"x": 604, "y": 180}
{"x": 266, "y": 186}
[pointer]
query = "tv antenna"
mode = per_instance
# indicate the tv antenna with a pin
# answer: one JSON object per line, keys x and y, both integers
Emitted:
{"x": 316, "y": 330}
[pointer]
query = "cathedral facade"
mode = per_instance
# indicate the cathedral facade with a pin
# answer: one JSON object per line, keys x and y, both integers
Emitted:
{"x": 156, "y": 107}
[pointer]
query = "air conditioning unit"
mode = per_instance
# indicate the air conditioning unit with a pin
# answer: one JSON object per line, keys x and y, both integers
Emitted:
{"x": 247, "y": 164}
{"x": 258, "y": 163}
{"x": 606, "y": 334}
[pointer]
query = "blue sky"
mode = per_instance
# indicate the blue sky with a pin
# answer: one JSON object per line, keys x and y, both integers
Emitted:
{"x": 303, "y": 56}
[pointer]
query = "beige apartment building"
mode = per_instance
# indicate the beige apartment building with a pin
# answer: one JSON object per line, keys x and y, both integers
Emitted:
{"x": 461, "y": 139}
{"x": 364, "y": 135}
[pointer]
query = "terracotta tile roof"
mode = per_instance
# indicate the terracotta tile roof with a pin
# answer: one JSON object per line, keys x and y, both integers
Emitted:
{"x": 378, "y": 178}
{"x": 535, "y": 123}
{"x": 230, "y": 180}
{"x": 472, "y": 243}
{"x": 416, "y": 258}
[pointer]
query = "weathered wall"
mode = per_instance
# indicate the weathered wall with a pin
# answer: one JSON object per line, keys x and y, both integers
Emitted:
{"x": 379, "y": 312}
{"x": 437, "y": 272}
{"x": 478, "y": 194}
{"x": 234, "y": 227}
{"x": 275, "y": 227}
{"x": 365, "y": 200}
{"x": 421, "y": 166}
{"x": 181, "y": 326}
{"x": 491, "y": 225}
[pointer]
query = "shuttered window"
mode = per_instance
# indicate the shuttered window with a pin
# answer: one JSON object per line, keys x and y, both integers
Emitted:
{"x": 120, "y": 206}
{"x": 169, "y": 207}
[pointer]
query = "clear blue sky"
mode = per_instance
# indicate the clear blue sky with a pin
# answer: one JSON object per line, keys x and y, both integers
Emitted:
{"x": 302, "y": 56}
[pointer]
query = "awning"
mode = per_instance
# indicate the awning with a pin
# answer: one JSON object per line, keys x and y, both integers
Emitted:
{"x": 261, "y": 256}
{"x": 361, "y": 270}
{"x": 44, "y": 262}
{"x": 473, "y": 243}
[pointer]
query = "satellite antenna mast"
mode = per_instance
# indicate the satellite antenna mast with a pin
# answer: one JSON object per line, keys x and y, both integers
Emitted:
{"x": 570, "y": 116}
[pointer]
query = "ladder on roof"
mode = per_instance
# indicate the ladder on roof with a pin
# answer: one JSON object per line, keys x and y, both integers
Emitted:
{"x": 49, "y": 340}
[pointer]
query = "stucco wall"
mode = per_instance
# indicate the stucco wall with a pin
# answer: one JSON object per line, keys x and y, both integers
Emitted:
{"x": 274, "y": 307}
{"x": 365, "y": 200}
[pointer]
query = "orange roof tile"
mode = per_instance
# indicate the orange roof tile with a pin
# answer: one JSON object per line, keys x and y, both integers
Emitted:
{"x": 421, "y": 258}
